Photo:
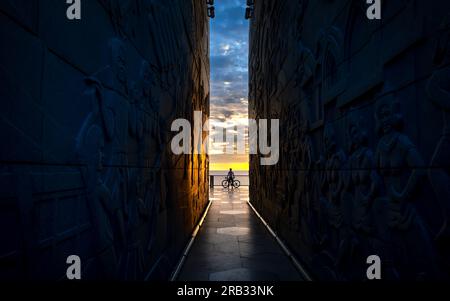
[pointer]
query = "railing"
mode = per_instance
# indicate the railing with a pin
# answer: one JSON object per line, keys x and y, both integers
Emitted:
{"x": 216, "y": 179}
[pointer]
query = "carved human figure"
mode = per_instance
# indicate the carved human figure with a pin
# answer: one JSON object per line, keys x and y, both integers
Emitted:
{"x": 439, "y": 93}
{"x": 111, "y": 98}
{"x": 363, "y": 187}
{"x": 333, "y": 180}
{"x": 364, "y": 182}
{"x": 105, "y": 212}
{"x": 332, "y": 188}
{"x": 143, "y": 185}
{"x": 108, "y": 91}
{"x": 300, "y": 169}
{"x": 307, "y": 212}
{"x": 398, "y": 159}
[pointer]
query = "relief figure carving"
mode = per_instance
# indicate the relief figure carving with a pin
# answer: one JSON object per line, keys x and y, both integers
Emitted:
{"x": 399, "y": 162}
{"x": 439, "y": 94}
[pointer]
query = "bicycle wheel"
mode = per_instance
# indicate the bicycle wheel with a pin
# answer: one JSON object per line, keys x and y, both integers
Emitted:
{"x": 225, "y": 183}
{"x": 237, "y": 184}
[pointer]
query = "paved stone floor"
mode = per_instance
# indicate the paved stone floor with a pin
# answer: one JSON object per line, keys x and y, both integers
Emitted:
{"x": 234, "y": 245}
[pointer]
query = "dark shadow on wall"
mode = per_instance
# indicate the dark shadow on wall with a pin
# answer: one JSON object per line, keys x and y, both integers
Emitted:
{"x": 85, "y": 163}
{"x": 363, "y": 108}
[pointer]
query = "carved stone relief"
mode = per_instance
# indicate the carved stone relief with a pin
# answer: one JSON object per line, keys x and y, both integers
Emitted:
{"x": 133, "y": 225}
{"x": 357, "y": 183}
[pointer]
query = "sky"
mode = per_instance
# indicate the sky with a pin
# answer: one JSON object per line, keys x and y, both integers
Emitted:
{"x": 229, "y": 32}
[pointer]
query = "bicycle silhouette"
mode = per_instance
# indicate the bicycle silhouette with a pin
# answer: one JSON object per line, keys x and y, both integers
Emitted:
{"x": 228, "y": 182}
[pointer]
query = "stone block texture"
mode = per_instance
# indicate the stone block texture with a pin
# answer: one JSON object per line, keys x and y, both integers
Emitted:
{"x": 85, "y": 162}
{"x": 365, "y": 141}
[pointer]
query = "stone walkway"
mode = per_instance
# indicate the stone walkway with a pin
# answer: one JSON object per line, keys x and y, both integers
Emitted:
{"x": 234, "y": 245}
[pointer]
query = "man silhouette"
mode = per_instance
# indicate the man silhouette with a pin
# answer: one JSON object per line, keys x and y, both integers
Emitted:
{"x": 230, "y": 177}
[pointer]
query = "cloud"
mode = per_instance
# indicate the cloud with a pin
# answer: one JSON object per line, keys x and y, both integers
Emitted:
{"x": 229, "y": 60}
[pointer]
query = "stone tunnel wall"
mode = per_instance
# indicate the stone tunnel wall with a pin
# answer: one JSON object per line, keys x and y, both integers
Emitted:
{"x": 363, "y": 108}
{"x": 85, "y": 162}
